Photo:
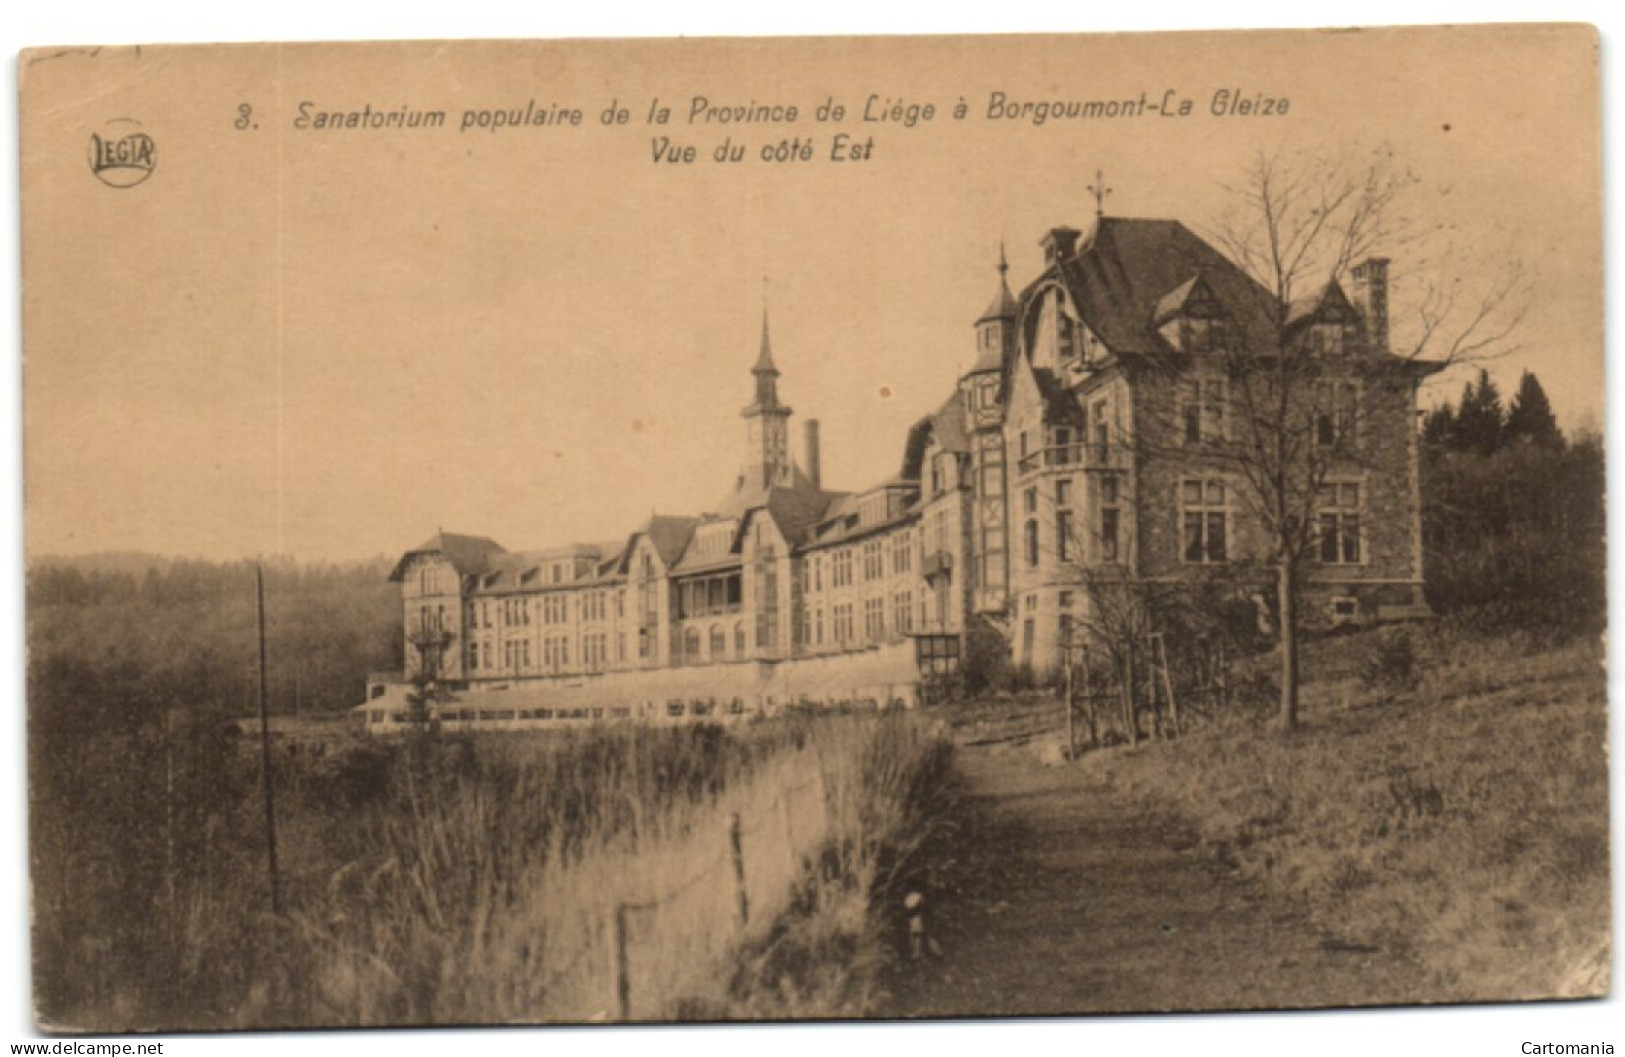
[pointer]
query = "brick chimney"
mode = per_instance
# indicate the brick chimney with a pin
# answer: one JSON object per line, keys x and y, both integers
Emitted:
{"x": 1059, "y": 244}
{"x": 1370, "y": 296}
{"x": 814, "y": 469}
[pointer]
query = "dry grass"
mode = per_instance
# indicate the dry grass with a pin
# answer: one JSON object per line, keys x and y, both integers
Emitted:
{"x": 479, "y": 880}
{"x": 1456, "y": 813}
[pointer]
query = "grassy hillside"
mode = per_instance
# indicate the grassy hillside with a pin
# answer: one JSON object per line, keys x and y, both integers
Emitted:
{"x": 1447, "y": 800}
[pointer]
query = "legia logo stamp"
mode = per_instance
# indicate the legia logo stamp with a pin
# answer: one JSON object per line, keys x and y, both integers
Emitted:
{"x": 121, "y": 155}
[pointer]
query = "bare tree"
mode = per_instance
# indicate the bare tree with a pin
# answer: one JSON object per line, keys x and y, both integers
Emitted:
{"x": 1122, "y": 611}
{"x": 1301, "y": 223}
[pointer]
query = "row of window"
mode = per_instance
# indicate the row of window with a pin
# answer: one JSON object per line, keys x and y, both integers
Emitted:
{"x": 1332, "y": 417}
{"x": 1205, "y": 537}
{"x": 842, "y": 627}
{"x": 555, "y": 652}
{"x": 555, "y": 609}
{"x": 1205, "y": 524}
{"x": 689, "y": 646}
{"x": 895, "y": 552}
{"x": 1205, "y": 519}
{"x": 1067, "y": 541}
{"x": 490, "y": 715}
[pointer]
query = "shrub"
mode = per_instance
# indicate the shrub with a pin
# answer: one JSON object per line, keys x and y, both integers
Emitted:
{"x": 985, "y": 663}
{"x": 1388, "y": 661}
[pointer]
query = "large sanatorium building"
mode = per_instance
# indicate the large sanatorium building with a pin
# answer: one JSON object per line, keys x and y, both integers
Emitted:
{"x": 1085, "y": 436}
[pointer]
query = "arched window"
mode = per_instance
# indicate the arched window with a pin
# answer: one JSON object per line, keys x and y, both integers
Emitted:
{"x": 719, "y": 642}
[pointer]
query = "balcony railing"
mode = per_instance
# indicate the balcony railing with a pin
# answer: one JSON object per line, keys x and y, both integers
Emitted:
{"x": 1079, "y": 453}
{"x": 937, "y": 563}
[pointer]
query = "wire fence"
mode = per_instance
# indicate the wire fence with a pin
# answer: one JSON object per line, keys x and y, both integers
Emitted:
{"x": 664, "y": 928}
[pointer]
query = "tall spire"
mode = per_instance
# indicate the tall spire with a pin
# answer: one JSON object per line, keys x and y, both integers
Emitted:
{"x": 764, "y": 360}
{"x": 1003, "y": 305}
{"x": 767, "y": 374}
{"x": 767, "y": 454}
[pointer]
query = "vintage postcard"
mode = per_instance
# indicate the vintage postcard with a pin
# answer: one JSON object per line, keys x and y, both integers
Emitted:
{"x": 525, "y": 532}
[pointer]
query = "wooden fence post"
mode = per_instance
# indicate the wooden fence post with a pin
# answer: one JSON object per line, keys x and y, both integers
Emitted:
{"x": 789, "y": 835}
{"x": 1094, "y": 704}
{"x": 736, "y": 843}
{"x": 1071, "y": 735}
{"x": 620, "y": 974}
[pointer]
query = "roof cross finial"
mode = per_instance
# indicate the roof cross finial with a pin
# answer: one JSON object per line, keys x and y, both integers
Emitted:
{"x": 1100, "y": 191}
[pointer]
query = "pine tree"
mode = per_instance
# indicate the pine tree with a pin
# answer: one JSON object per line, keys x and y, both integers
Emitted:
{"x": 1439, "y": 425}
{"x": 1481, "y": 418}
{"x": 1530, "y": 418}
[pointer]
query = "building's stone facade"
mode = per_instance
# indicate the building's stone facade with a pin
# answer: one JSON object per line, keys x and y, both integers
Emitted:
{"x": 1096, "y": 429}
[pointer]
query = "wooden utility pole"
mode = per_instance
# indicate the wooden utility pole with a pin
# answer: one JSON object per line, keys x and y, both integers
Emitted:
{"x": 266, "y": 783}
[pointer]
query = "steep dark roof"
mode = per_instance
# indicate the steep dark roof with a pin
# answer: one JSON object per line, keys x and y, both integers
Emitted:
{"x": 796, "y": 510}
{"x": 1061, "y": 408}
{"x": 946, "y": 424}
{"x": 467, "y": 554}
{"x": 949, "y": 425}
{"x": 669, "y": 535}
{"x": 747, "y": 494}
{"x": 1003, "y": 305}
{"x": 512, "y": 570}
{"x": 1129, "y": 267}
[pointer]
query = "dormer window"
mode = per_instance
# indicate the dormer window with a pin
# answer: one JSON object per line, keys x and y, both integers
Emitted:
{"x": 1321, "y": 324}
{"x": 1328, "y": 338}
{"x": 1069, "y": 334}
{"x": 987, "y": 393}
{"x": 1191, "y": 319}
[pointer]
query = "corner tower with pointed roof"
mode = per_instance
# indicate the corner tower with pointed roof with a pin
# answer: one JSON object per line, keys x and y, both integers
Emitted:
{"x": 767, "y": 425}
{"x": 995, "y": 342}
{"x": 981, "y": 390}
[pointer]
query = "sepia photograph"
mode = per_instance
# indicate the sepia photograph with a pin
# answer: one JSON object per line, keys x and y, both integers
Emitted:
{"x": 813, "y": 528}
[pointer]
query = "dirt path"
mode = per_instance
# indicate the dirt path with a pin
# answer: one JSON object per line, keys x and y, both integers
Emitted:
{"x": 1059, "y": 898}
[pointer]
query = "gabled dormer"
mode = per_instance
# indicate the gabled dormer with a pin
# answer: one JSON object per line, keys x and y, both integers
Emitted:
{"x": 1325, "y": 324}
{"x": 1191, "y": 319}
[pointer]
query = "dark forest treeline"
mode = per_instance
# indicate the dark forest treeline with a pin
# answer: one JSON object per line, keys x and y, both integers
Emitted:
{"x": 141, "y": 800}
{"x": 1512, "y": 511}
{"x": 183, "y": 631}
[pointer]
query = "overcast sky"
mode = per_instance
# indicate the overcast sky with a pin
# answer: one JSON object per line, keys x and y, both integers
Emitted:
{"x": 330, "y": 344}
